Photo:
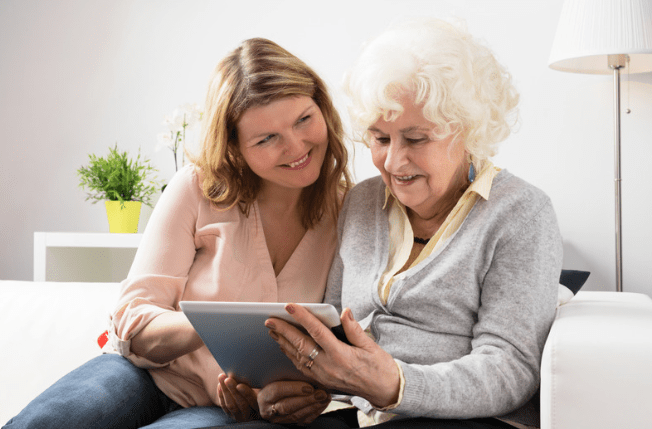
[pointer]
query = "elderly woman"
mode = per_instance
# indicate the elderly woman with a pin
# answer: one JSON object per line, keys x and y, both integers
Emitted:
{"x": 449, "y": 264}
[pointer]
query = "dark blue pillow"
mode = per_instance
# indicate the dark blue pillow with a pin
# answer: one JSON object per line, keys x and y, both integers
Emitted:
{"x": 573, "y": 279}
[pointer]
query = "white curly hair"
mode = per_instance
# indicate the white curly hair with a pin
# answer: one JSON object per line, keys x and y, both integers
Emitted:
{"x": 463, "y": 89}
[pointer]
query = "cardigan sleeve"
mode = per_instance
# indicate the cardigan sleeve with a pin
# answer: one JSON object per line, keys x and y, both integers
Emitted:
{"x": 160, "y": 269}
{"x": 517, "y": 306}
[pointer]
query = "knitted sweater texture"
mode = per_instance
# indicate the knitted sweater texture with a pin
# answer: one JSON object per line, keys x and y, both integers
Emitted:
{"x": 468, "y": 324}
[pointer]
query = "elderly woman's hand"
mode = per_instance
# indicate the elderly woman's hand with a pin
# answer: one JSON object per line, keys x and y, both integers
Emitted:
{"x": 362, "y": 369}
{"x": 280, "y": 402}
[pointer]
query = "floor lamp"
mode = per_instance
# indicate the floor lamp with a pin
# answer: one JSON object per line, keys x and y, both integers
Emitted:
{"x": 603, "y": 37}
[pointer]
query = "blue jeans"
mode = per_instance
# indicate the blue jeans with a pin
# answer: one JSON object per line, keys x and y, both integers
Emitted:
{"x": 110, "y": 392}
{"x": 348, "y": 419}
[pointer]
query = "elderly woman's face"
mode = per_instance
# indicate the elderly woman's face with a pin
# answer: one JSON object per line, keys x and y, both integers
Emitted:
{"x": 418, "y": 168}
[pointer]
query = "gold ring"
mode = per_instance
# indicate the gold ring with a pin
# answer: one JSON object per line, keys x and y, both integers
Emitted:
{"x": 313, "y": 353}
{"x": 309, "y": 364}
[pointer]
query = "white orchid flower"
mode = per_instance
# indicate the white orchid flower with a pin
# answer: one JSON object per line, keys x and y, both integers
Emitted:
{"x": 164, "y": 140}
{"x": 192, "y": 113}
{"x": 185, "y": 116}
{"x": 175, "y": 122}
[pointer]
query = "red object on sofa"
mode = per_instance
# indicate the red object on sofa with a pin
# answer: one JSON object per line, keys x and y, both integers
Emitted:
{"x": 103, "y": 339}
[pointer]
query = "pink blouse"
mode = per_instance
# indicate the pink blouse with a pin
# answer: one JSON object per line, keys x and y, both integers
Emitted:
{"x": 191, "y": 251}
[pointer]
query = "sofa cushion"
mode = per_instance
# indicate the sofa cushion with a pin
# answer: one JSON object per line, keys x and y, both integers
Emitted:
{"x": 48, "y": 329}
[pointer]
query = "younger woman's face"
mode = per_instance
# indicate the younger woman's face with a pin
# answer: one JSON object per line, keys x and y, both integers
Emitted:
{"x": 284, "y": 142}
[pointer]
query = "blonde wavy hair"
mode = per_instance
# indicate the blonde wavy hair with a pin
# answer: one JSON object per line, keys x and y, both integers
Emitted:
{"x": 464, "y": 91}
{"x": 256, "y": 73}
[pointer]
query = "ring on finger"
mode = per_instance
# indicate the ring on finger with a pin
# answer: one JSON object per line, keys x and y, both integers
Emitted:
{"x": 309, "y": 364}
{"x": 313, "y": 354}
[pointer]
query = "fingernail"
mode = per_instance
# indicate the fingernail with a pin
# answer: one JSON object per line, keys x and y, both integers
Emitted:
{"x": 307, "y": 389}
{"x": 321, "y": 396}
{"x": 289, "y": 308}
{"x": 269, "y": 324}
{"x": 273, "y": 335}
{"x": 351, "y": 315}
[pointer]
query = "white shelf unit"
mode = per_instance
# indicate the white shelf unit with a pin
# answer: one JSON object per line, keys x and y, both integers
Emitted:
{"x": 84, "y": 257}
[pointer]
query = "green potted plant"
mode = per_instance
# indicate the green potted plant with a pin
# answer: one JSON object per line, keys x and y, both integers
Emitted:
{"x": 124, "y": 184}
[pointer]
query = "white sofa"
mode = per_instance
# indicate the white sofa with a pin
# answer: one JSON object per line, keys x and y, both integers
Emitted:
{"x": 596, "y": 368}
{"x": 47, "y": 329}
{"x": 596, "y": 371}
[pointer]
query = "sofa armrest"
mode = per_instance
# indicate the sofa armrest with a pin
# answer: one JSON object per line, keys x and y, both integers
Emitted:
{"x": 47, "y": 330}
{"x": 596, "y": 370}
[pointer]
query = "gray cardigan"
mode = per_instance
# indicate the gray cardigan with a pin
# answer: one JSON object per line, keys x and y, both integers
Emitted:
{"x": 468, "y": 324}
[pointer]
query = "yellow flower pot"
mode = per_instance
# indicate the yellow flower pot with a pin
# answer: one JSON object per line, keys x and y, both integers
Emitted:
{"x": 123, "y": 218}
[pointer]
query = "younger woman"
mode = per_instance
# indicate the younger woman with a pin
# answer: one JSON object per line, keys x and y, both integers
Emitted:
{"x": 253, "y": 219}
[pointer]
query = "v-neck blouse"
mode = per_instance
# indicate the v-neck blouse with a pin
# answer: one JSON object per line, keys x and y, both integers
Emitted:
{"x": 191, "y": 251}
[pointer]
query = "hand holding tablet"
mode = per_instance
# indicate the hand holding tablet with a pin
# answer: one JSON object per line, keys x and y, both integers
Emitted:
{"x": 236, "y": 336}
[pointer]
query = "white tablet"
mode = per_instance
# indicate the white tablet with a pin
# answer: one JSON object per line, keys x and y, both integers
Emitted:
{"x": 236, "y": 335}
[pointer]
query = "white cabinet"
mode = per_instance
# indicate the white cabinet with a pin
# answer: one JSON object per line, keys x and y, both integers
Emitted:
{"x": 83, "y": 257}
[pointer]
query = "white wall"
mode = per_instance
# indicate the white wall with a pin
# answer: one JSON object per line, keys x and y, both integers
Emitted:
{"x": 76, "y": 76}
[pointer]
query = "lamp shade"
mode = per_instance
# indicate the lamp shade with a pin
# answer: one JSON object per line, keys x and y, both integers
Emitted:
{"x": 591, "y": 30}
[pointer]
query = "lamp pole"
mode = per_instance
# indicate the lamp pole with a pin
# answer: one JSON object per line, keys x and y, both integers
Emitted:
{"x": 616, "y": 62}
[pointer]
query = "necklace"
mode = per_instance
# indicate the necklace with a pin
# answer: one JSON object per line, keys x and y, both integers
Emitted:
{"x": 421, "y": 240}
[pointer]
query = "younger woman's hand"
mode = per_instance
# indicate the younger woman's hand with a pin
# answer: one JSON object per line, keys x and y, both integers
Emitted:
{"x": 294, "y": 402}
{"x": 238, "y": 400}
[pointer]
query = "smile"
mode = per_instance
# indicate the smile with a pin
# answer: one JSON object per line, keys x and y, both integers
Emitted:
{"x": 405, "y": 179}
{"x": 298, "y": 164}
